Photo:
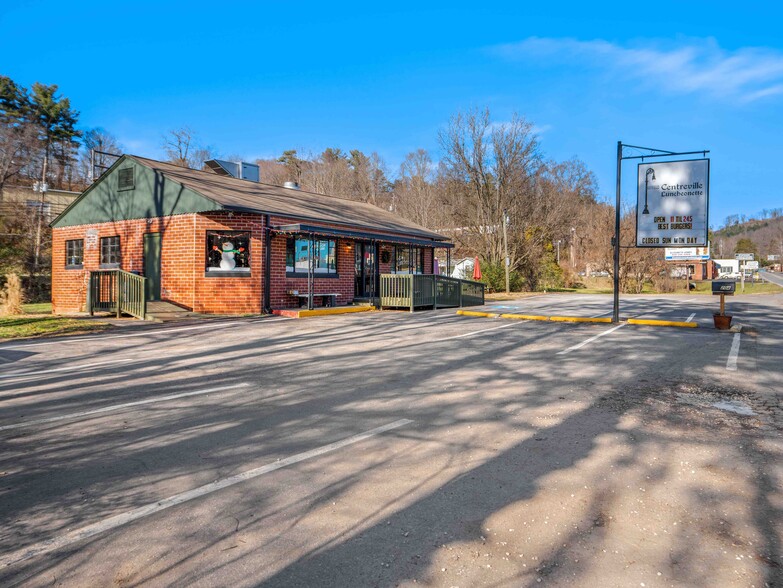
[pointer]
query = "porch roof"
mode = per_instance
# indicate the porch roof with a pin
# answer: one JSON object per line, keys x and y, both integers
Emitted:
{"x": 359, "y": 235}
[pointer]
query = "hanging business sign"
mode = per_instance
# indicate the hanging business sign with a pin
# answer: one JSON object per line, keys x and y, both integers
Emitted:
{"x": 673, "y": 203}
{"x": 687, "y": 253}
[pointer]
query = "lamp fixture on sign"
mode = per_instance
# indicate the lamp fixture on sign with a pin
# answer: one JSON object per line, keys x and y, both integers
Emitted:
{"x": 650, "y": 171}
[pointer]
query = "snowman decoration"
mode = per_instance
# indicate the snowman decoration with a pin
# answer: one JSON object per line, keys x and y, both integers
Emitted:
{"x": 227, "y": 261}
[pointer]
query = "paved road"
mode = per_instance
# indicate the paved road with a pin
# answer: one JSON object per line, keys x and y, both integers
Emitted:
{"x": 772, "y": 277}
{"x": 391, "y": 449}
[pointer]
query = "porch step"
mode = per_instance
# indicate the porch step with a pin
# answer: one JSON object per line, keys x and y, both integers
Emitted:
{"x": 296, "y": 313}
{"x": 165, "y": 311}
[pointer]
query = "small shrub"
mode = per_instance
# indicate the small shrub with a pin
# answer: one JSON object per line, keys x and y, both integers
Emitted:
{"x": 11, "y": 296}
{"x": 569, "y": 277}
{"x": 551, "y": 276}
{"x": 494, "y": 276}
{"x": 665, "y": 284}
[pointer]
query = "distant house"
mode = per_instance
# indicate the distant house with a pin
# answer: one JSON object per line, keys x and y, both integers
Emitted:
{"x": 54, "y": 201}
{"x": 463, "y": 268}
{"x": 214, "y": 243}
{"x": 727, "y": 268}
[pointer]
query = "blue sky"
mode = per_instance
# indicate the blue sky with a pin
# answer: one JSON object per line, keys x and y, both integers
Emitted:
{"x": 256, "y": 78}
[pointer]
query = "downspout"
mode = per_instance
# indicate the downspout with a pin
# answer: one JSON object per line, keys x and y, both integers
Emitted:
{"x": 266, "y": 304}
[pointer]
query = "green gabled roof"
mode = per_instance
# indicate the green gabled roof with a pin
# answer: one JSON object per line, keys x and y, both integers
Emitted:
{"x": 153, "y": 195}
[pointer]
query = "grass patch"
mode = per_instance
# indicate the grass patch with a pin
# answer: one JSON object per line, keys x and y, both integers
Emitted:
{"x": 38, "y": 321}
{"x": 582, "y": 290}
{"x": 24, "y": 326}
{"x": 604, "y": 286}
{"x": 38, "y": 308}
{"x": 754, "y": 288}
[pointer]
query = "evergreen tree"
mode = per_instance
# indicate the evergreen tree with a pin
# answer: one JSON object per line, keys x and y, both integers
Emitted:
{"x": 746, "y": 245}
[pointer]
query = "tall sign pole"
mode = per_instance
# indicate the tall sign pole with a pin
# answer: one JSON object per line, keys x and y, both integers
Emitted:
{"x": 505, "y": 251}
{"x": 616, "y": 240}
{"x": 676, "y": 204}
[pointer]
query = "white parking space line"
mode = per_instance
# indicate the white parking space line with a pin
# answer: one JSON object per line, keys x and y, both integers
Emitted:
{"x": 503, "y": 326}
{"x": 690, "y": 318}
{"x": 731, "y": 362}
{"x": 77, "y": 535}
{"x": 590, "y": 340}
{"x": 113, "y": 407}
{"x": 71, "y": 368}
{"x": 148, "y": 333}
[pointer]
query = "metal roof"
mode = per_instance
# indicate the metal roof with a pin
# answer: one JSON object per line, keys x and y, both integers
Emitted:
{"x": 363, "y": 235}
{"x": 242, "y": 195}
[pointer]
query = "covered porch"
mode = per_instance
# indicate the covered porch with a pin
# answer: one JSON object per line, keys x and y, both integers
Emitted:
{"x": 362, "y": 261}
{"x": 420, "y": 291}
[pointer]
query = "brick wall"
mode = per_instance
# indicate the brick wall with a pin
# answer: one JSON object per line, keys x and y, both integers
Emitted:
{"x": 228, "y": 295}
{"x": 343, "y": 284}
{"x": 184, "y": 280}
{"x": 69, "y": 286}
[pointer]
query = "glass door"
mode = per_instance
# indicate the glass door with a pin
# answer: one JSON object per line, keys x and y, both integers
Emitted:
{"x": 365, "y": 269}
{"x": 358, "y": 290}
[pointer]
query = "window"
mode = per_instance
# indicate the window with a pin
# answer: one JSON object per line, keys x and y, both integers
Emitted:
{"x": 228, "y": 251}
{"x": 74, "y": 254}
{"x": 408, "y": 260}
{"x": 110, "y": 252}
{"x": 324, "y": 256}
{"x": 125, "y": 179}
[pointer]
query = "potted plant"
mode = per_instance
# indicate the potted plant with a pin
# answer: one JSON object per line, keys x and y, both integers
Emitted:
{"x": 721, "y": 319}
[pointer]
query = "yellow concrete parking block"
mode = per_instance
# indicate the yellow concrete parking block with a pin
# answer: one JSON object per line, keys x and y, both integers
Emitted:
{"x": 333, "y": 310}
{"x": 525, "y": 317}
{"x": 579, "y": 319}
{"x": 477, "y": 313}
{"x": 654, "y": 323}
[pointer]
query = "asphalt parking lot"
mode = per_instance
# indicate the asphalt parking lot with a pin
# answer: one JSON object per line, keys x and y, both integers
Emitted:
{"x": 398, "y": 449}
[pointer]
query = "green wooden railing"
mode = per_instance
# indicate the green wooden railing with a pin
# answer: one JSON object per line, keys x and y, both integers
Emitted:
{"x": 427, "y": 290}
{"x": 117, "y": 291}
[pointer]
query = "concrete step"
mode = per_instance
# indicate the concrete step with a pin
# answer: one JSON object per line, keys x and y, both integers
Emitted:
{"x": 165, "y": 311}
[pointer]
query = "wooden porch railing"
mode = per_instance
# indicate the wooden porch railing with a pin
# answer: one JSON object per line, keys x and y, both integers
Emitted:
{"x": 428, "y": 290}
{"x": 117, "y": 291}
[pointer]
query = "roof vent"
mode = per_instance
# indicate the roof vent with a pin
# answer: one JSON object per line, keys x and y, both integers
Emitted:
{"x": 292, "y": 185}
{"x": 234, "y": 169}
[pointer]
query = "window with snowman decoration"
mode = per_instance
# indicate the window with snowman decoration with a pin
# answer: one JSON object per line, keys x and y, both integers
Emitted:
{"x": 228, "y": 251}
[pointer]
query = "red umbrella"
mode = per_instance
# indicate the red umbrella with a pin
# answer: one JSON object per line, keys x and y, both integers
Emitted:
{"x": 476, "y": 269}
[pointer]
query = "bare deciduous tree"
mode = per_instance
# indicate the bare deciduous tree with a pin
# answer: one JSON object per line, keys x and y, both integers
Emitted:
{"x": 492, "y": 177}
{"x": 183, "y": 148}
{"x": 415, "y": 193}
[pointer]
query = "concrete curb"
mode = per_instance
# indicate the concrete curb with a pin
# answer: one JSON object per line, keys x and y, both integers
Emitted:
{"x": 477, "y": 313}
{"x": 579, "y": 319}
{"x": 525, "y": 317}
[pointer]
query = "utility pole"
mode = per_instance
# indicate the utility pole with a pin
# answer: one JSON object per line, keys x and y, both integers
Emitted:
{"x": 505, "y": 251}
{"x": 558, "y": 251}
{"x": 39, "y": 226}
{"x": 572, "y": 245}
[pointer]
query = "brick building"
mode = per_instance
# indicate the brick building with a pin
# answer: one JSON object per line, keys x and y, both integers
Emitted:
{"x": 218, "y": 244}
